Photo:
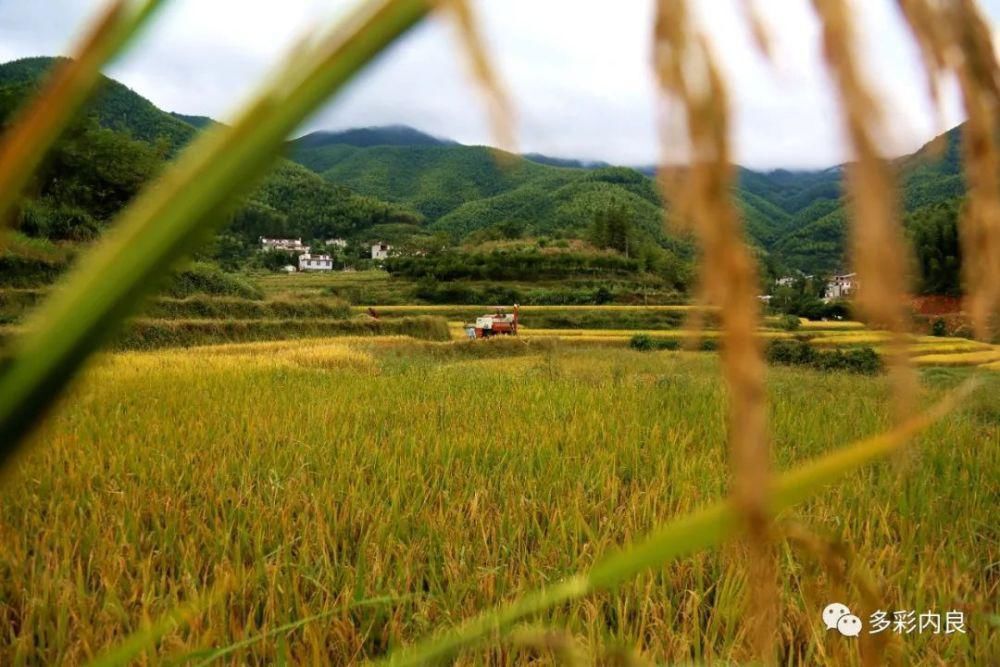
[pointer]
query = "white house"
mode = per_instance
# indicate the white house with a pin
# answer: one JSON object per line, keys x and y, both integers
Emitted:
{"x": 381, "y": 251}
{"x": 841, "y": 286}
{"x": 339, "y": 243}
{"x": 786, "y": 281}
{"x": 309, "y": 262}
{"x": 288, "y": 245}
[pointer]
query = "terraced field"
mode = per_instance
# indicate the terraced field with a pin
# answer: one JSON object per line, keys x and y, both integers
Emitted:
{"x": 299, "y": 306}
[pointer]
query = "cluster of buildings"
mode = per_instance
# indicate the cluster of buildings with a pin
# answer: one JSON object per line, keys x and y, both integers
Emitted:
{"x": 317, "y": 262}
{"x": 838, "y": 287}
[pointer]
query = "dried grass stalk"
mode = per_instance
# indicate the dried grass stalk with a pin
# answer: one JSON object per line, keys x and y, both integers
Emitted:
{"x": 761, "y": 37}
{"x": 687, "y": 75}
{"x": 879, "y": 248}
{"x": 979, "y": 77}
{"x": 497, "y": 101}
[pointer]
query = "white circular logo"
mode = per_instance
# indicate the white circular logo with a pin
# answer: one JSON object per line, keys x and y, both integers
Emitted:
{"x": 832, "y": 614}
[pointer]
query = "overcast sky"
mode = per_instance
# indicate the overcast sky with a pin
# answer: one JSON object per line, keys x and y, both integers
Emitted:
{"x": 577, "y": 72}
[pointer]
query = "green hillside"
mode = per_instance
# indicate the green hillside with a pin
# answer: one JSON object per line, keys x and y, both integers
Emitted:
{"x": 465, "y": 189}
{"x": 563, "y": 203}
{"x": 930, "y": 182}
{"x": 116, "y": 107}
{"x": 791, "y": 191}
{"x": 795, "y": 218}
{"x": 433, "y": 179}
{"x": 124, "y": 140}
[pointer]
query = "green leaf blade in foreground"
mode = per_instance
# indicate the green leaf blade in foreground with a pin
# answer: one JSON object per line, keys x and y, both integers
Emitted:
{"x": 699, "y": 530}
{"x": 171, "y": 217}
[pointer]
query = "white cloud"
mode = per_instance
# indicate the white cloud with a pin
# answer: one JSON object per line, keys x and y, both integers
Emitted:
{"x": 577, "y": 71}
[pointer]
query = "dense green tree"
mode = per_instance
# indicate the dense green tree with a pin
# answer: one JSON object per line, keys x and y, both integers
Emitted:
{"x": 934, "y": 235}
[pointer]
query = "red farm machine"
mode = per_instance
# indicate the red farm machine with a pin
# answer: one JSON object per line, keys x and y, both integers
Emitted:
{"x": 497, "y": 324}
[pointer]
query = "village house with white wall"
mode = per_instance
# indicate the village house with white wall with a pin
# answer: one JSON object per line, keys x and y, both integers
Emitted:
{"x": 309, "y": 262}
{"x": 286, "y": 245}
{"x": 841, "y": 287}
{"x": 381, "y": 251}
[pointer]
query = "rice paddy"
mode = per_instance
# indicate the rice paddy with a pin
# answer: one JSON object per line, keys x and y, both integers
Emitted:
{"x": 387, "y": 488}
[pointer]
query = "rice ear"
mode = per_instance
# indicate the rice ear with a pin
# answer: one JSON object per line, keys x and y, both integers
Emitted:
{"x": 879, "y": 248}
{"x": 484, "y": 74}
{"x": 688, "y": 77}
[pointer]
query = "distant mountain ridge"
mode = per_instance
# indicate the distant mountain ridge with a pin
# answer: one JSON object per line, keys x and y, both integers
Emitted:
{"x": 365, "y": 137}
{"x": 460, "y": 189}
{"x": 398, "y": 174}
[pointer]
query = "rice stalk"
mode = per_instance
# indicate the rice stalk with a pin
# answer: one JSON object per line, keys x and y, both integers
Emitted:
{"x": 979, "y": 78}
{"x": 931, "y": 34}
{"x": 836, "y": 559}
{"x": 880, "y": 251}
{"x": 148, "y": 635}
{"x": 37, "y": 126}
{"x": 687, "y": 73}
{"x": 683, "y": 536}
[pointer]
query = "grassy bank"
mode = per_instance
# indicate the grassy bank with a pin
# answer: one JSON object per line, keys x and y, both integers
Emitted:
{"x": 145, "y": 334}
{"x": 378, "y": 287}
{"x": 149, "y": 333}
{"x": 15, "y": 303}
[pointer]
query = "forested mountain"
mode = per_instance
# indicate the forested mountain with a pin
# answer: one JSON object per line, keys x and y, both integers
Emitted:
{"x": 124, "y": 140}
{"x": 565, "y": 162}
{"x": 396, "y": 182}
{"x": 118, "y": 107}
{"x": 476, "y": 190}
{"x": 931, "y": 186}
{"x": 796, "y": 219}
{"x": 365, "y": 137}
{"x": 197, "y": 122}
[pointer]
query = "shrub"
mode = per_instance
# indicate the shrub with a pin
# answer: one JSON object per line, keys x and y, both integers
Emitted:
{"x": 215, "y": 307}
{"x": 789, "y": 322}
{"x": 646, "y": 343}
{"x": 641, "y": 342}
{"x": 22, "y": 271}
{"x": 939, "y": 327}
{"x": 205, "y": 278}
{"x": 862, "y": 360}
{"x": 791, "y": 352}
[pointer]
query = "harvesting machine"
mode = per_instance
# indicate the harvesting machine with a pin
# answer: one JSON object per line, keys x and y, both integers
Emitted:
{"x": 497, "y": 324}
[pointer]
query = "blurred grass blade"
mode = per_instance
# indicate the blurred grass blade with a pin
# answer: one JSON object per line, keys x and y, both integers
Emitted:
{"x": 145, "y": 638}
{"x": 174, "y": 214}
{"x": 691, "y": 533}
{"x": 210, "y": 656}
{"x": 39, "y": 124}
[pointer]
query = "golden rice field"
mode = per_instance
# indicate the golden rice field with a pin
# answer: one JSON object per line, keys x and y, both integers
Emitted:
{"x": 337, "y": 498}
{"x": 924, "y": 350}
